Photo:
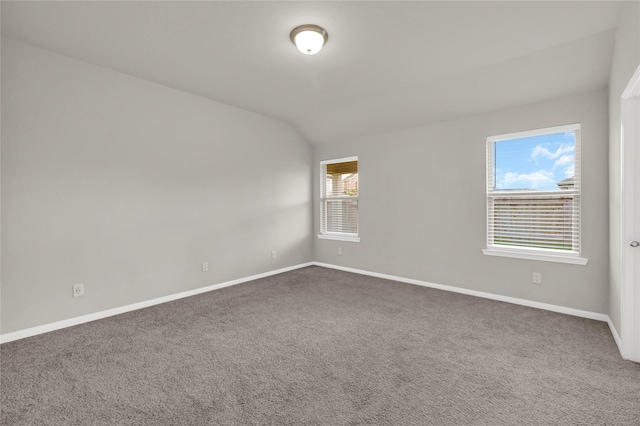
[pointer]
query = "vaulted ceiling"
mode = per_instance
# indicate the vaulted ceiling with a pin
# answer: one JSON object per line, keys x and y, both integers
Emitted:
{"x": 387, "y": 65}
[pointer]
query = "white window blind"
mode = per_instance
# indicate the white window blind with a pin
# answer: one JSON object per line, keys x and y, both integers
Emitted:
{"x": 339, "y": 197}
{"x": 533, "y": 191}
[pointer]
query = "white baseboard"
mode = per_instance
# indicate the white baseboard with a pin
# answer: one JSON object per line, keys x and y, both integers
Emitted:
{"x": 516, "y": 301}
{"x": 33, "y": 331}
{"x": 615, "y": 334}
{"x": 21, "y": 334}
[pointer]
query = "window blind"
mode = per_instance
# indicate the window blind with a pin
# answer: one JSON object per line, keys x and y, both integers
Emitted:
{"x": 339, "y": 203}
{"x": 549, "y": 221}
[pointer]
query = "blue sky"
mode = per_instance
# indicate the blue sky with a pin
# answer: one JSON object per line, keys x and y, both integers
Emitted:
{"x": 536, "y": 162}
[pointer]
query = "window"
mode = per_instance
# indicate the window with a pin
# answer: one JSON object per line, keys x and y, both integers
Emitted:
{"x": 339, "y": 199}
{"x": 533, "y": 195}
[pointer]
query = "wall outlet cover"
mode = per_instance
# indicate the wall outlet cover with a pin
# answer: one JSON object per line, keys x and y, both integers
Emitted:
{"x": 78, "y": 290}
{"x": 537, "y": 278}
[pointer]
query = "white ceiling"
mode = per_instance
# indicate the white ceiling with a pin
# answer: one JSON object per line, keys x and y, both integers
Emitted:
{"x": 387, "y": 65}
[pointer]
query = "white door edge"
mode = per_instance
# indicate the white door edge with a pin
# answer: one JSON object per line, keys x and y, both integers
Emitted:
{"x": 630, "y": 212}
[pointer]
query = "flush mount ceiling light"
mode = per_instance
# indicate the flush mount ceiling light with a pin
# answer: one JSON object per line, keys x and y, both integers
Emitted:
{"x": 309, "y": 39}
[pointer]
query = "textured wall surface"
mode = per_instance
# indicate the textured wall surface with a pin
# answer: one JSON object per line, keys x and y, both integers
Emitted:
{"x": 128, "y": 186}
{"x": 423, "y": 209}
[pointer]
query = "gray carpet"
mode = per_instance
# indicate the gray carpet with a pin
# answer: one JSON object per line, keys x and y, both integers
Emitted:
{"x": 322, "y": 347}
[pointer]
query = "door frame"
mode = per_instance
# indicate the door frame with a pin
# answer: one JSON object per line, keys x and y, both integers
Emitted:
{"x": 629, "y": 230}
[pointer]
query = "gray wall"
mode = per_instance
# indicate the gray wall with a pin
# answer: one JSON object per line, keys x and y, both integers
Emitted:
{"x": 422, "y": 206}
{"x": 127, "y": 186}
{"x": 626, "y": 58}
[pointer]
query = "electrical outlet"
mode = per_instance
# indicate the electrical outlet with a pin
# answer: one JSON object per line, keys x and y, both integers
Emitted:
{"x": 273, "y": 254}
{"x": 78, "y": 290}
{"x": 205, "y": 266}
{"x": 537, "y": 278}
{"x": 339, "y": 251}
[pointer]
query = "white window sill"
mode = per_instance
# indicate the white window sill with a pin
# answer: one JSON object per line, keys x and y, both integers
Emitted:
{"x": 531, "y": 255}
{"x": 351, "y": 238}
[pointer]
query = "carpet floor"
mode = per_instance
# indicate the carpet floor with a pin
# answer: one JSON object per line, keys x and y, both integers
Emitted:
{"x": 317, "y": 346}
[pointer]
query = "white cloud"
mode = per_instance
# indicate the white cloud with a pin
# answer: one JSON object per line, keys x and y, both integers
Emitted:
{"x": 570, "y": 171}
{"x": 534, "y": 180}
{"x": 565, "y": 160}
{"x": 540, "y": 151}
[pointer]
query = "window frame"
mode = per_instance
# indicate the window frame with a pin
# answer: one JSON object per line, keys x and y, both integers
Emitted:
{"x": 524, "y": 252}
{"x": 339, "y": 236}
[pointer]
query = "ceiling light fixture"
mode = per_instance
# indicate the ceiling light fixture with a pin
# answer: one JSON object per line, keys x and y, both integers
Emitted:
{"x": 309, "y": 39}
